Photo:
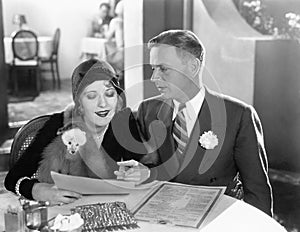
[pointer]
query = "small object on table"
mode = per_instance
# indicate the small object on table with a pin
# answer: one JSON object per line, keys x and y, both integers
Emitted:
{"x": 14, "y": 220}
{"x": 68, "y": 223}
{"x": 35, "y": 214}
{"x": 121, "y": 169}
{"x": 111, "y": 216}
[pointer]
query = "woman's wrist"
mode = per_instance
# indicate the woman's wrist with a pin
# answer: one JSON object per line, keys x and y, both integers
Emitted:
{"x": 35, "y": 192}
{"x": 24, "y": 186}
{"x": 17, "y": 187}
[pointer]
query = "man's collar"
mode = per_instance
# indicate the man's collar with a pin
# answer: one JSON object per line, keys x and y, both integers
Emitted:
{"x": 193, "y": 106}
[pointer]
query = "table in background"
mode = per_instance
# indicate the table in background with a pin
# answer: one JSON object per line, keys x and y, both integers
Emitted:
{"x": 228, "y": 214}
{"x": 97, "y": 47}
{"x": 45, "y": 47}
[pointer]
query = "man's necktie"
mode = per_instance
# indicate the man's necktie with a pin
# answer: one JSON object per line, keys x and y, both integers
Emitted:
{"x": 180, "y": 132}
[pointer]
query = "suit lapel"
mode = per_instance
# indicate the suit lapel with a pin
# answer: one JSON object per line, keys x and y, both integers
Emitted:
{"x": 166, "y": 149}
{"x": 212, "y": 117}
{"x": 194, "y": 152}
{"x": 217, "y": 110}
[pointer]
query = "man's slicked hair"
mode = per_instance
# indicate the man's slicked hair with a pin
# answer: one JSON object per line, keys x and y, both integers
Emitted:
{"x": 184, "y": 40}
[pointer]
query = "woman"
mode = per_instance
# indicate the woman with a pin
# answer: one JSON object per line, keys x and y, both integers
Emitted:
{"x": 100, "y": 116}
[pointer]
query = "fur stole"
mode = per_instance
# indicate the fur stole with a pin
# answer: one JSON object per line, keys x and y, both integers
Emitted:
{"x": 74, "y": 152}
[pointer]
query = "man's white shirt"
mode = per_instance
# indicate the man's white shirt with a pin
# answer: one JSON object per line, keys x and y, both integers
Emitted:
{"x": 191, "y": 110}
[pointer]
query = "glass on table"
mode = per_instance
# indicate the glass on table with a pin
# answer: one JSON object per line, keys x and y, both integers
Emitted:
{"x": 35, "y": 215}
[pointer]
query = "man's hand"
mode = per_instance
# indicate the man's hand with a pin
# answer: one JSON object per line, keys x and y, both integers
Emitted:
{"x": 50, "y": 193}
{"x": 132, "y": 170}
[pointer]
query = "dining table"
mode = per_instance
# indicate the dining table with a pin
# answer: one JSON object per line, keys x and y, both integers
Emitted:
{"x": 97, "y": 47}
{"x": 228, "y": 214}
{"x": 45, "y": 47}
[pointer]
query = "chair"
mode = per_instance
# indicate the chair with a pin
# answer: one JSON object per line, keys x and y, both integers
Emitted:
{"x": 25, "y": 63}
{"x": 53, "y": 59}
{"x": 24, "y": 137}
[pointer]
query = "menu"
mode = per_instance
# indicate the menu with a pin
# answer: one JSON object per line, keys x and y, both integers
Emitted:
{"x": 178, "y": 204}
{"x": 91, "y": 186}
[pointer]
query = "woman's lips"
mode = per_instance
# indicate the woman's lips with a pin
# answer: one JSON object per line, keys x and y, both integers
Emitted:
{"x": 102, "y": 113}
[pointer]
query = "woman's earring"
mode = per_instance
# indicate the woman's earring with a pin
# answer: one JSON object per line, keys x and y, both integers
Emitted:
{"x": 79, "y": 110}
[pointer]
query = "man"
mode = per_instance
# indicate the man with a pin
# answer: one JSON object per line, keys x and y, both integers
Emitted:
{"x": 101, "y": 22}
{"x": 196, "y": 136}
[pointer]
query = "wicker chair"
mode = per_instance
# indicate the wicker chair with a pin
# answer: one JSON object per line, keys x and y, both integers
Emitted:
{"x": 24, "y": 137}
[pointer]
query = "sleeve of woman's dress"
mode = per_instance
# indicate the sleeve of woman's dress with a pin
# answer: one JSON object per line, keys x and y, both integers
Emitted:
{"x": 28, "y": 163}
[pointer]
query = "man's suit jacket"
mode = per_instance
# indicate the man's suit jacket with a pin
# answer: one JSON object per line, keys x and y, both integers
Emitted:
{"x": 240, "y": 146}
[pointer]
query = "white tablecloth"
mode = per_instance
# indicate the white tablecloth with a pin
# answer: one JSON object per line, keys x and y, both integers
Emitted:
{"x": 98, "y": 47}
{"x": 228, "y": 214}
{"x": 45, "y": 47}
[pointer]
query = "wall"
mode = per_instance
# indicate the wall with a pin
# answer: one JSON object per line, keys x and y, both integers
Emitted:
{"x": 133, "y": 41}
{"x": 276, "y": 99}
{"x": 257, "y": 69}
{"x": 44, "y": 16}
{"x": 168, "y": 15}
{"x": 3, "y": 92}
{"x": 229, "y": 51}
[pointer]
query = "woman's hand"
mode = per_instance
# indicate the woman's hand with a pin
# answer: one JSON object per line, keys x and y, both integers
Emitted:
{"x": 132, "y": 170}
{"x": 50, "y": 193}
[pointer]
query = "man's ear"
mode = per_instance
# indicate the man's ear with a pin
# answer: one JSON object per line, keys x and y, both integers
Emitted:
{"x": 194, "y": 66}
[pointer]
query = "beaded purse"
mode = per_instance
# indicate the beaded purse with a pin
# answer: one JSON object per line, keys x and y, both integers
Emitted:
{"x": 111, "y": 216}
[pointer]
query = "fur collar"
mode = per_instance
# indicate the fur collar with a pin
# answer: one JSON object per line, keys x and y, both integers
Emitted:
{"x": 71, "y": 119}
{"x": 91, "y": 161}
{"x": 69, "y": 112}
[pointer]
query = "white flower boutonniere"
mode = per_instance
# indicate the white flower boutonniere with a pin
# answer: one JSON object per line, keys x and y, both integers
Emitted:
{"x": 208, "y": 140}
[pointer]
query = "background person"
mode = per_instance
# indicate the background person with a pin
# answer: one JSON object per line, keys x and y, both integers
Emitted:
{"x": 210, "y": 137}
{"x": 101, "y": 21}
{"x": 115, "y": 29}
{"x": 115, "y": 34}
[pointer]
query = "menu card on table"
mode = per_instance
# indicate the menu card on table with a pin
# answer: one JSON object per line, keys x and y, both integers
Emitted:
{"x": 91, "y": 186}
{"x": 178, "y": 204}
